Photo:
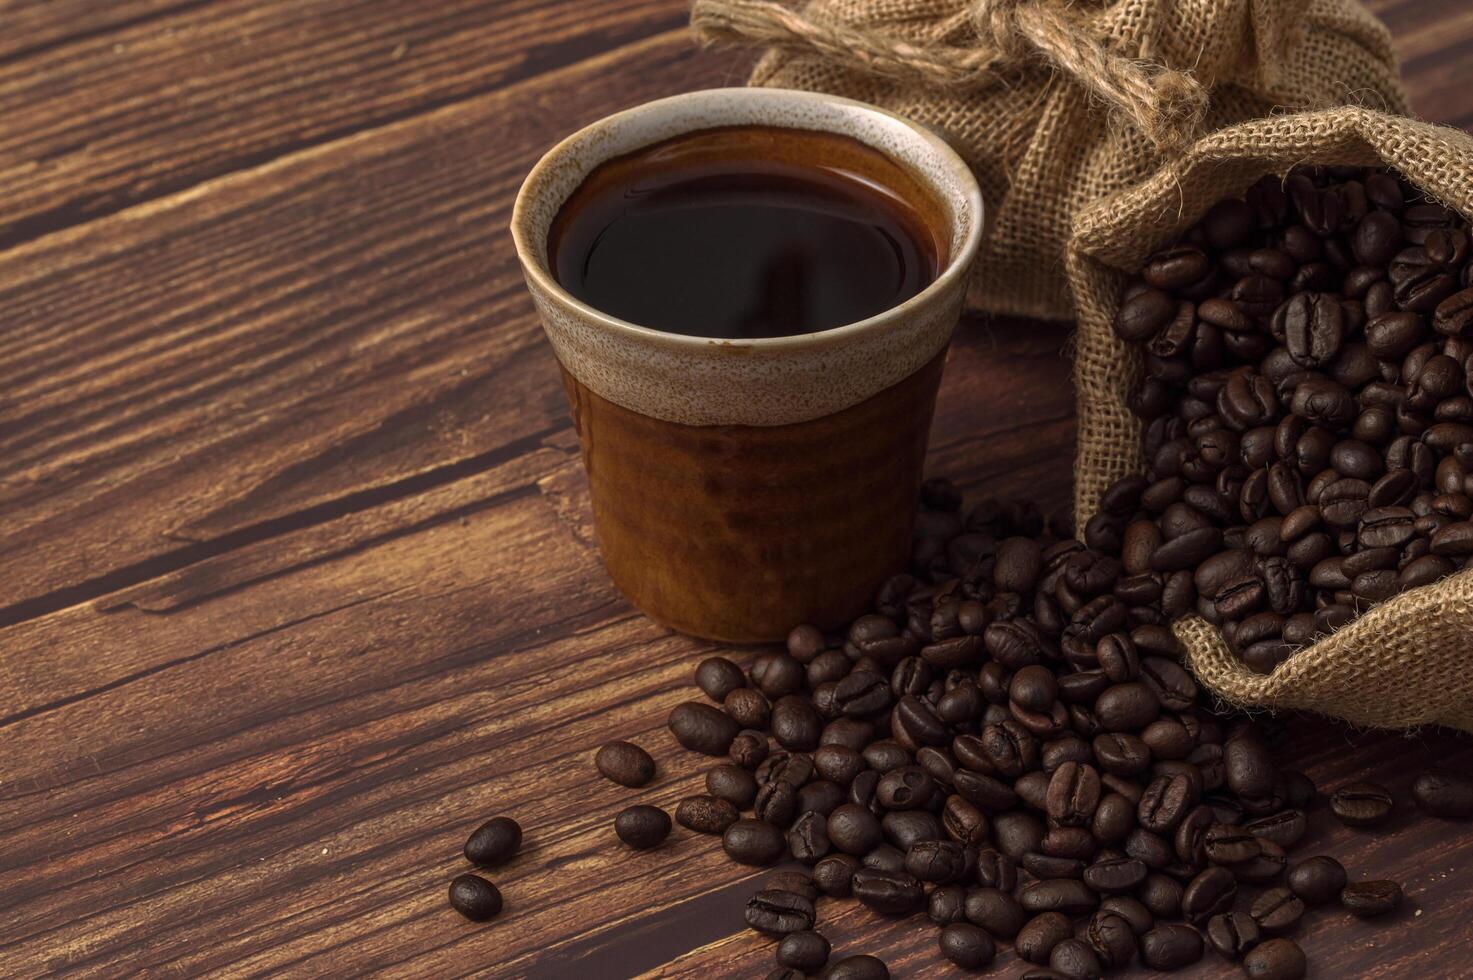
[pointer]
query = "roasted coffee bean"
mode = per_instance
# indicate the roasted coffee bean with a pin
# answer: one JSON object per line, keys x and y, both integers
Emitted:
{"x": 1112, "y": 938}
{"x": 748, "y": 707}
{"x": 1113, "y": 819}
{"x": 1277, "y": 910}
{"x": 903, "y": 828}
{"x": 733, "y": 784}
{"x": 1361, "y": 805}
{"x": 888, "y": 892}
{"x": 1284, "y": 828}
{"x": 853, "y": 829}
{"x": 834, "y": 875}
{"x": 1317, "y": 880}
{"x": 936, "y": 860}
{"x": 805, "y": 950}
{"x": 1170, "y": 947}
{"x": 1276, "y": 959}
{"x": 966, "y": 945}
{"x": 1040, "y": 934}
{"x": 494, "y": 842}
{"x": 944, "y": 904}
{"x": 1444, "y": 793}
{"x": 642, "y": 827}
{"x": 808, "y": 839}
{"x": 859, "y": 967}
{"x": 702, "y": 728}
{"x": 626, "y": 763}
{"x": 1233, "y": 933}
{"x": 964, "y": 821}
{"x": 706, "y": 814}
{"x": 718, "y": 677}
{"x": 776, "y": 803}
{"x": 754, "y": 842}
{"x": 905, "y": 788}
{"x": 1073, "y": 794}
{"x": 1116, "y": 874}
{"x": 779, "y": 912}
{"x": 1165, "y": 802}
{"x": 993, "y": 869}
{"x": 1017, "y": 833}
{"x": 1126, "y": 707}
{"x": 820, "y": 796}
{"x": 1064, "y": 895}
{"x": 1368, "y": 899}
{"x": 474, "y": 897}
{"x": 1076, "y": 959}
{"x": 1210, "y": 893}
{"x": 749, "y": 749}
{"x": 995, "y": 910}
{"x": 1162, "y": 895}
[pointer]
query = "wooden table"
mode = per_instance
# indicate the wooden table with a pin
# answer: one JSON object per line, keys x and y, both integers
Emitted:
{"x": 298, "y": 584}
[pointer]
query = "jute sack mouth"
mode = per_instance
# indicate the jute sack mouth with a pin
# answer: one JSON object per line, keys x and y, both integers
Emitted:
{"x": 1404, "y": 663}
{"x": 1057, "y": 104}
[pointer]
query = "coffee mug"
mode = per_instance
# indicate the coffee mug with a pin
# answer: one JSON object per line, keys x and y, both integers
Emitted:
{"x": 742, "y": 487}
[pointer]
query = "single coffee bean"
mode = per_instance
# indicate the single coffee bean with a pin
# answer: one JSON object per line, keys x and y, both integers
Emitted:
{"x": 860, "y": 967}
{"x": 1210, "y": 893}
{"x": 993, "y": 869}
{"x": 995, "y": 910}
{"x": 1284, "y": 828}
{"x": 749, "y": 749}
{"x": 1277, "y": 910}
{"x": 1171, "y": 947}
{"x": 625, "y": 763}
{"x": 494, "y": 842}
{"x": 1276, "y": 959}
{"x": 642, "y": 827}
{"x": 888, "y": 892}
{"x": 1076, "y": 959}
{"x": 749, "y": 708}
{"x": 1444, "y": 793}
{"x": 1162, "y": 895}
{"x": 1114, "y": 875}
{"x": 936, "y": 860}
{"x": 1233, "y": 933}
{"x": 966, "y": 945}
{"x": 834, "y": 875}
{"x": 754, "y": 842}
{"x": 706, "y": 814}
{"x": 474, "y": 897}
{"x": 808, "y": 840}
{"x": 733, "y": 784}
{"x": 1226, "y": 844}
{"x": 1040, "y": 934}
{"x": 718, "y": 677}
{"x": 776, "y": 802}
{"x": 805, "y": 950}
{"x": 945, "y": 904}
{"x": 1112, "y": 937}
{"x": 702, "y": 728}
{"x": 1058, "y": 895}
{"x": 779, "y": 913}
{"x": 1368, "y": 899}
{"x": 1317, "y": 880}
{"x": 1361, "y": 805}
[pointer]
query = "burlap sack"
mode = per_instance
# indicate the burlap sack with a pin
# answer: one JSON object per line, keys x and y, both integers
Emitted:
{"x": 1058, "y": 104}
{"x": 1408, "y": 661}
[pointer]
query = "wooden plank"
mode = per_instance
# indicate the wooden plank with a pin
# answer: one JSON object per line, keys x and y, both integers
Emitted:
{"x": 342, "y": 320}
{"x": 124, "y": 115}
{"x": 1434, "y": 43}
{"x": 30, "y": 26}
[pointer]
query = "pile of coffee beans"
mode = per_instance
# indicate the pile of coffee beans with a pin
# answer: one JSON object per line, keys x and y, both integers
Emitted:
{"x": 1309, "y": 420}
{"x": 1009, "y": 745}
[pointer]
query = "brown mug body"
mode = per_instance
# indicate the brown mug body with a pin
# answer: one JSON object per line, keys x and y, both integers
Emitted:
{"x": 743, "y": 487}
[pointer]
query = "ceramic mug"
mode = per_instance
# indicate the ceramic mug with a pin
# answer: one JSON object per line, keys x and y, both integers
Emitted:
{"x": 741, "y": 487}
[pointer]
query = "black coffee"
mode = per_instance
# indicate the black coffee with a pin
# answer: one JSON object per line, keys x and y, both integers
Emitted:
{"x": 743, "y": 232}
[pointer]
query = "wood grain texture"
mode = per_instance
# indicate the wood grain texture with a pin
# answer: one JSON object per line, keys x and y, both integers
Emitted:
{"x": 297, "y": 581}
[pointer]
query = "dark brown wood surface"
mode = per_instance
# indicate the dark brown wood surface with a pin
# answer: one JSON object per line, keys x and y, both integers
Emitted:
{"x": 297, "y": 582}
